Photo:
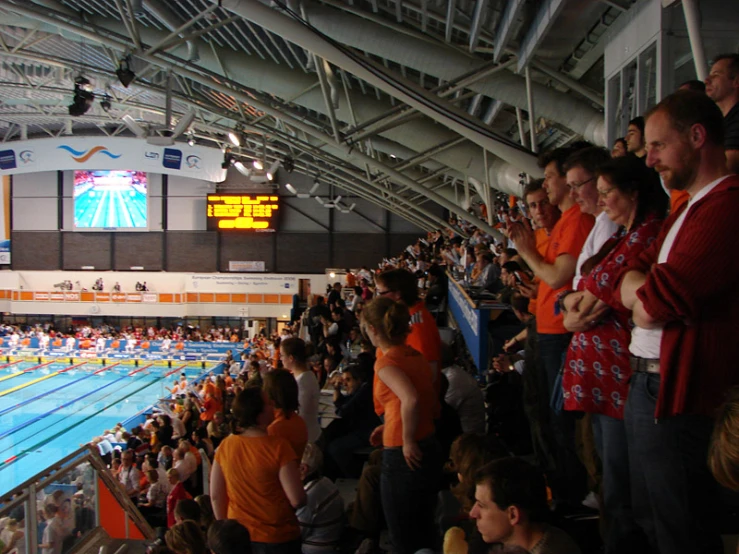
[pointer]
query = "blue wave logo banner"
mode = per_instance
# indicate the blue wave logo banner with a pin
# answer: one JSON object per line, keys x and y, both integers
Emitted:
{"x": 81, "y": 156}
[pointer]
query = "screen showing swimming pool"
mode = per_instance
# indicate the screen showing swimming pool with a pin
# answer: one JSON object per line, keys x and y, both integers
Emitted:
{"x": 110, "y": 199}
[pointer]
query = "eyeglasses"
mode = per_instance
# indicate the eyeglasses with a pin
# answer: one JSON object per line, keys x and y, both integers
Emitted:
{"x": 576, "y": 186}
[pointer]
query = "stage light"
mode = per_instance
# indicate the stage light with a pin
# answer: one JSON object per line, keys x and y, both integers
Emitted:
{"x": 124, "y": 71}
{"x": 258, "y": 165}
{"x": 105, "y": 103}
{"x": 191, "y": 139}
{"x": 234, "y": 138}
{"x": 272, "y": 171}
{"x": 245, "y": 171}
{"x": 83, "y": 97}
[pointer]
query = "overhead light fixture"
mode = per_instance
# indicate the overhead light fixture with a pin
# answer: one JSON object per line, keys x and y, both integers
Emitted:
{"x": 105, "y": 103}
{"x": 315, "y": 186}
{"x": 83, "y": 97}
{"x": 245, "y": 171}
{"x": 124, "y": 71}
{"x": 234, "y": 138}
{"x": 258, "y": 165}
{"x": 191, "y": 138}
{"x": 272, "y": 171}
{"x": 134, "y": 126}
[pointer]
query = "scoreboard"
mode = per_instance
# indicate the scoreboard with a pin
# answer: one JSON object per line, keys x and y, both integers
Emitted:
{"x": 243, "y": 212}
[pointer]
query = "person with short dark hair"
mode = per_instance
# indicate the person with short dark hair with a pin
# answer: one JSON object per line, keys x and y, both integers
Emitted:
{"x": 228, "y": 536}
{"x": 635, "y": 138}
{"x": 294, "y": 358}
{"x": 619, "y": 148}
{"x": 186, "y": 538}
{"x": 693, "y": 85}
{"x": 511, "y": 509}
{"x": 187, "y": 509}
{"x": 682, "y": 293}
{"x": 722, "y": 86}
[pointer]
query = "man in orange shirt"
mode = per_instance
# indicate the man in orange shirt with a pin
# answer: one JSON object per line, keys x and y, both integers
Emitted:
{"x": 556, "y": 269}
{"x": 401, "y": 286}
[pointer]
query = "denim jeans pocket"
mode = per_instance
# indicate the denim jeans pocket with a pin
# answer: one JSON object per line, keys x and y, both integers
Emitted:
{"x": 651, "y": 386}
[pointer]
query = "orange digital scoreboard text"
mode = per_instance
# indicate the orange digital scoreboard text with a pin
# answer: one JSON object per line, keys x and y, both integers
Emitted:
{"x": 242, "y": 212}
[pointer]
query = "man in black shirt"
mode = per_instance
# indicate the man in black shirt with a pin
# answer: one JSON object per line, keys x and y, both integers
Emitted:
{"x": 722, "y": 86}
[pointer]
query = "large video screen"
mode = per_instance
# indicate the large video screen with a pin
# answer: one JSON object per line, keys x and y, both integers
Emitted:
{"x": 243, "y": 212}
{"x": 110, "y": 200}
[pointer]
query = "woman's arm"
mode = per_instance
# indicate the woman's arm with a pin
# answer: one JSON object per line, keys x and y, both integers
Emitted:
{"x": 291, "y": 484}
{"x": 398, "y": 382}
{"x": 218, "y": 492}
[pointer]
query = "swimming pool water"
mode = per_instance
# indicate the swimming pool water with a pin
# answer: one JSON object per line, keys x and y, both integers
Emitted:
{"x": 48, "y": 428}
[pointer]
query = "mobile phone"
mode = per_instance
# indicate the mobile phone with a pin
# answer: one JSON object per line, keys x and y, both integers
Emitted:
{"x": 518, "y": 278}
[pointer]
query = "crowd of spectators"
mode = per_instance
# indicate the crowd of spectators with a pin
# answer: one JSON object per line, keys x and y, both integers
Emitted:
{"x": 605, "y": 380}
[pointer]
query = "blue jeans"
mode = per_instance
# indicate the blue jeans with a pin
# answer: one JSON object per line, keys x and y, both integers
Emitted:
{"x": 569, "y": 480}
{"x": 674, "y": 497}
{"x": 621, "y": 532}
{"x": 409, "y": 497}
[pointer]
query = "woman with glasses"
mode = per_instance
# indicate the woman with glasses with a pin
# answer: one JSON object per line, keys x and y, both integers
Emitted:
{"x": 597, "y": 367}
{"x": 411, "y": 458}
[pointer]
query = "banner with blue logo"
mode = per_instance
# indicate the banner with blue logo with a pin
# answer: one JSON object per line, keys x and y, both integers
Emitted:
{"x": 111, "y": 153}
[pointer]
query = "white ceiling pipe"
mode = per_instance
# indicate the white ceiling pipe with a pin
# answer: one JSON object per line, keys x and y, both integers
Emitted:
{"x": 171, "y": 21}
{"x": 447, "y": 64}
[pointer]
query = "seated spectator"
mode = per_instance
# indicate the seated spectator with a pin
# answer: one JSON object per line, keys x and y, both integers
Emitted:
{"x": 463, "y": 394}
{"x": 129, "y": 476}
{"x": 217, "y": 429}
{"x": 357, "y": 420}
{"x": 187, "y": 510}
{"x": 723, "y": 454}
{"x": 177, "y": 492}
{"x": 228, "y": 536}
{"x": 206, "y": 511}
{"x": 321, "y": 520}
{"x": 511, "y": 508}
{"x": 281, "y": 390}
{"x": 255, "y": 478}
{"x": 54, "y": 533}
{"x": 186, "y": 538}
{"x": 154, "y": 508}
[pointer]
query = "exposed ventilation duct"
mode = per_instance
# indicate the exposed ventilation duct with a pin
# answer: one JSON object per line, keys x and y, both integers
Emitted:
{"x": 171, "y": 21}
{"x": 448, "y": 64}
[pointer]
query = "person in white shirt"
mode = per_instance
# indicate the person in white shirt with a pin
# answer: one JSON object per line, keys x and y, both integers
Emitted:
{"x": 100, "y": 345}
{"x": 166, "y": 344}
{"x": 129, "y": 476}
{"x": 15, "y": 339}
{"x": 293, "y": 356}
{"x": 185, "y": 463}
{"x": 70, "y": 343}
{"x": 179, "y": 428}
{"x": 582, "y": 168}
{"x": 130, "y": 343}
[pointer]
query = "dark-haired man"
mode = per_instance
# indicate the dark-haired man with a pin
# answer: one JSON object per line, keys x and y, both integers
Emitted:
{"x": 683, "y": 294}
{"x": 722, "y": 86}
{"x": 556, "y": 269}
{"x": 511, "y": 508}
{"x": 635, "y": 137}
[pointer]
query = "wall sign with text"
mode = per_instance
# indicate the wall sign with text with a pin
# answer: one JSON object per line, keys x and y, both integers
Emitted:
{"x": 243, "y": 212}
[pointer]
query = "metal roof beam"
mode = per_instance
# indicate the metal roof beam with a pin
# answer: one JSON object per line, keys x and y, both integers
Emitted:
{"x": 505, "y": 27}
{"x": 543, "y": 21}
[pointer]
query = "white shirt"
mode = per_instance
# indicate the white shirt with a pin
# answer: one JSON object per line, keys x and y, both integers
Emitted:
{"x": 179, "y": 428}
{"x": 309, "y": 394}
{"x": 130, "y": 479}
{"x": 599, "y": 234}
{"x": 646, "y": 343}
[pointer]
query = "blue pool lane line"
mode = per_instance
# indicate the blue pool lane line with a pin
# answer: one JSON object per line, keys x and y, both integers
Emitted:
{"x": 46, "y": 414}
{"x": 52, "y": 391}
{"x": 60, "y": 433}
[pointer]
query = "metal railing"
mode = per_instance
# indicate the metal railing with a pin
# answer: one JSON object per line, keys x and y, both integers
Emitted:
{"x": 75, "y": 479}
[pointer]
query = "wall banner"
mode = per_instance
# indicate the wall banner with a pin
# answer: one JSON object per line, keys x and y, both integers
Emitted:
{"x": 90, "y": 153}
{"x": 223, "y": 282}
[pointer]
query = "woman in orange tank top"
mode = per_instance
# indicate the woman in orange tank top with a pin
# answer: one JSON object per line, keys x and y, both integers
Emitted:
{"x": 411, "y": 459}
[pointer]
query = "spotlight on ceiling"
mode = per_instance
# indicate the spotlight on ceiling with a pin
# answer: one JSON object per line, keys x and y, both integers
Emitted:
{"x": 124, "y": 71}
{"x": 191, "y": 138}
{"x": 258, "y": 165}
{"x": 272, "y": 171}
{"x": 234, "y": 138}
{"x": 105, "y": 103}
{"x": 83, "y": 97}
{"x": 245, "y": 171}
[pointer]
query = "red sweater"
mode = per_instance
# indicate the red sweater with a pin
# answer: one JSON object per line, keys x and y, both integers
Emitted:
{"x": 695, "y": 293}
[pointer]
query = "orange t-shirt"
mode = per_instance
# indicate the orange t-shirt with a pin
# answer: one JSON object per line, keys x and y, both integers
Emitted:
{"x": 568, "y": 237}
{"x": 424, "y": 335}
{"x": 542, "y": 243}
{"x": 416, "y": 368}
{"x": 256, "y": 499}
{"x": 351, "y": 280}
{"x": 677, "y": 199}
{"x": 293, "y": 430}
